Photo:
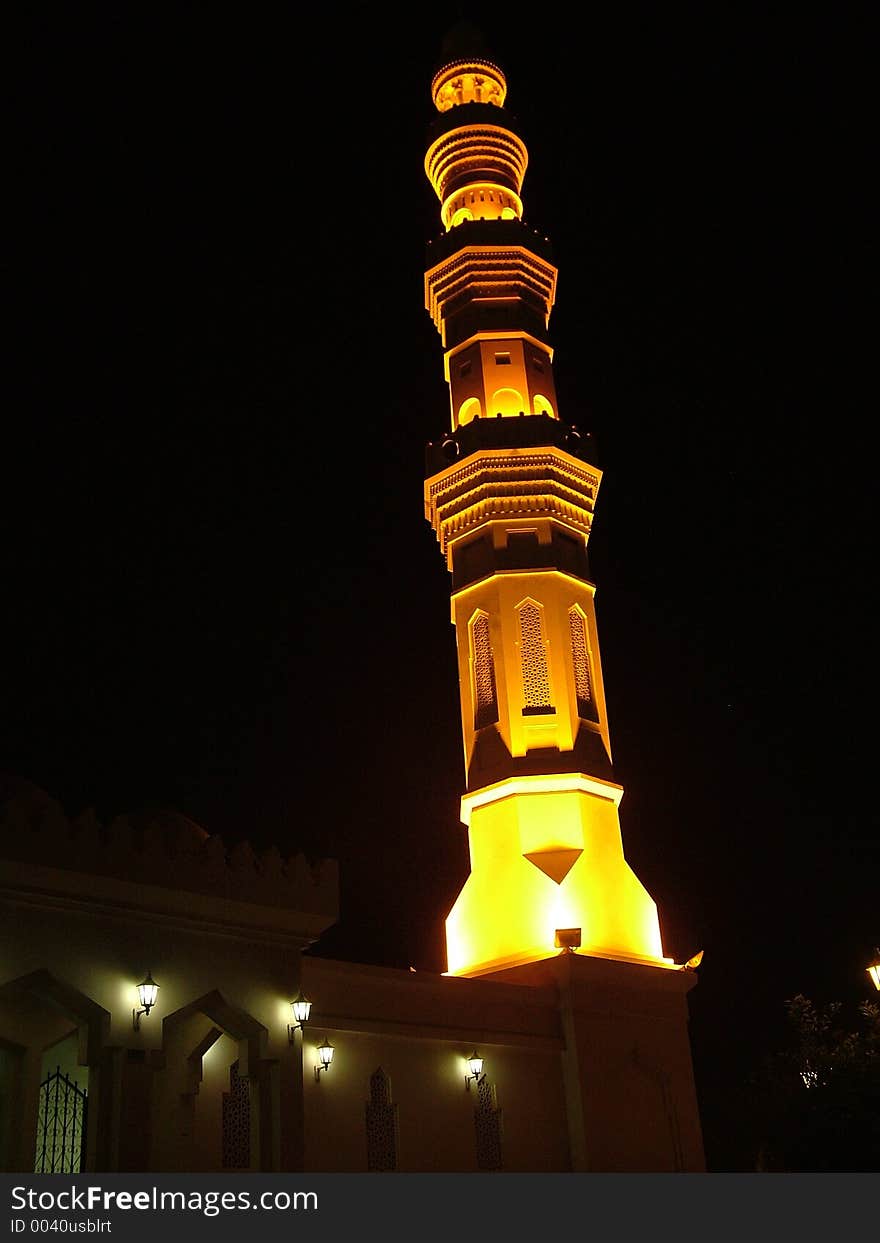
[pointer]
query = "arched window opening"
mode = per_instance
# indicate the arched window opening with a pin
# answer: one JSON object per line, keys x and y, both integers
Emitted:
{"x": 483, "y": 674}
{"x": 62, "y": 1110}
{"x": 507, "y": 402}
{"x": 543, "y": 406}
{"x": 534, "y": 664}
{"x": 469, "y": 410}
{"x": 583, "y": 673}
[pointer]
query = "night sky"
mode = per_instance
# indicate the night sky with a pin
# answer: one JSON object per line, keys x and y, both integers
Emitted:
{"x": 219, "y": 591}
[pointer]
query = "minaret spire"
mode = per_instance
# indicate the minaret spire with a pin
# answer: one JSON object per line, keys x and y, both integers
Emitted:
{"x": 510, "y": 492}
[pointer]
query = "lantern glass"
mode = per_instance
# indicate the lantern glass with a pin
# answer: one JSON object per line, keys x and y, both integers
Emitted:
{"x": 325, "y": 1053}
{"x": 147, "y": 990}
{"x": 475, "y": 1064}
{"x": 874, "y": 973}
{"x": 301, "y": 1008}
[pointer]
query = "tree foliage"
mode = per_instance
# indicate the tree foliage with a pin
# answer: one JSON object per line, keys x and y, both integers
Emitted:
{"x": 818, "y": 1098}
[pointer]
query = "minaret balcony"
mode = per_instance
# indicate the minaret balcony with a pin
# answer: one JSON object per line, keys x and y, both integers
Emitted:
{"x": 489, "y": 275}
{"x": 507, "y": 485}
{"x": 473, "y": 142}
{"x": 526, "y": 431}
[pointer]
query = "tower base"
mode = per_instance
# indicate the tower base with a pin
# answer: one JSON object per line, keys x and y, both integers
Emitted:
{"x": 628, "y": 1078}
{"x": 546, "y": 854}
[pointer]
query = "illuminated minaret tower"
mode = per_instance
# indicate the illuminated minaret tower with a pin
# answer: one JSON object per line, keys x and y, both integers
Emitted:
{"x": 510, "y": 494}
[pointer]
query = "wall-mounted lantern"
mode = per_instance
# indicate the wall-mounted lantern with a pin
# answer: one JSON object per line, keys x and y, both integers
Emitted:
{"x": 325, "y": 1053}
{"x": 873, "y": 969}
{"x": 475, "y": 1066}
{"x": 301, "y": 1007}
{"x": 147, "y": 990}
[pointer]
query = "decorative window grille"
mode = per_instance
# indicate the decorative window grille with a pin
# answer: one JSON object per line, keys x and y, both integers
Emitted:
{"x": 61, "y": 1125}
{"x": 485, "y": 694}
{"x": 580, "y": 655}
{"x": 237, "y": 1122}
{"x": 382, "y": 1124}
{"x": 488, "y": 1127}
{"x": 533, "y": 658}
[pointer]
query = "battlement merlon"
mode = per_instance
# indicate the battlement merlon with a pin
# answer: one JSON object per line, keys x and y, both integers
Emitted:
{"x": 161, "y": 866}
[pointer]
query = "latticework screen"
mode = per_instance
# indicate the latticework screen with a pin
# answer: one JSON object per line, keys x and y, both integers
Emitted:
{"x": 533, "y": 655}
{"x": 485, "y": 694}
{"x": 580, "y": 655}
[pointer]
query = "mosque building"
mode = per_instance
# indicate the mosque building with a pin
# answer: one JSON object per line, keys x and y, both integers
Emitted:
{"x": 158, "y": 1011}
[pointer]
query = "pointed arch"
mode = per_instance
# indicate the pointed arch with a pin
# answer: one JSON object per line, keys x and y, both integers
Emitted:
{"x": 92, "y": 1020}
{"x": 241, "y": 1026}
{"x": 251, "y": 1111}
{"x": 90, "y": 1026}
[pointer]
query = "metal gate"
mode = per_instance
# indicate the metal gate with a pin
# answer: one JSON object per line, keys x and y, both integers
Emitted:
{"x": 61, "y": 1126}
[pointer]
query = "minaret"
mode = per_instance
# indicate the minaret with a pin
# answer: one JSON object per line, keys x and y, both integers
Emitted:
{"x": 510, "y": 493}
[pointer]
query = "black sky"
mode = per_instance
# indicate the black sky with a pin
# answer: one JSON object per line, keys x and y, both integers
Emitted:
{"x": 219, "y": 589}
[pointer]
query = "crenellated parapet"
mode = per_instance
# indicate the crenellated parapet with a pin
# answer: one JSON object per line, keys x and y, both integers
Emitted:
{"x": 161, "y": 850}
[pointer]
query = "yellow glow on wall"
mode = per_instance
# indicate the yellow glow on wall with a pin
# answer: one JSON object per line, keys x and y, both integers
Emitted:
{"x": 542, "y": 859}
{"x": 470, "y": 409}
{"x": 481, "y": 200}
{"x": 543, "y": 406}
{"x": 506, "y": 402}
{"x": 499, "y": 598}
{"x": 496, "y": 334}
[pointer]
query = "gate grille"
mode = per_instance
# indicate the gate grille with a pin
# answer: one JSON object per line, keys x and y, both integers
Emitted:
{"x": 61, "y": 1126}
